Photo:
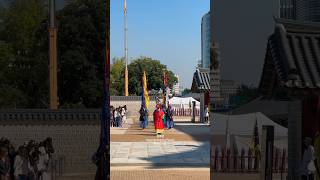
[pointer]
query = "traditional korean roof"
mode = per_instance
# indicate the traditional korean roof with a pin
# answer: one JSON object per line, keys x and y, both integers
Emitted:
{"x": 201, "y": 80}
{"x": 293, "y": 53}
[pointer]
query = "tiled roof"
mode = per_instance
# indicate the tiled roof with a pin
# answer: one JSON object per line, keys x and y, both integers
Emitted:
{"x": 293, "y": 52}
{"x": 201, "y": 78}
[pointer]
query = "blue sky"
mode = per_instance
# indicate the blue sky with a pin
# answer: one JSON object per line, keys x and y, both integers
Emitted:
{"x": 166, "y": 30}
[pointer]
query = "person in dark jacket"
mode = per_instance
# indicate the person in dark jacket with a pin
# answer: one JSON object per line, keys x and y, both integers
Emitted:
{"x": 169, "y": 117}
{"x": 143, "y": 117}
{"x": 4, "y": 168}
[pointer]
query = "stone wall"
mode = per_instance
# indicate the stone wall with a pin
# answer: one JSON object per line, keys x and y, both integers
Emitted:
{"x": 75, "y": 134}
{"x": 75, "y": 145}
{"x": 133, "y": 106}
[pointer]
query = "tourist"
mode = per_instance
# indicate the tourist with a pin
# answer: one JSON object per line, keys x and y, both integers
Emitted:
{"x": 158, "y": 116}
{"x": 21, "y": 164}
{"x": 12, "y": 153}
{"x": 169, "y": 116}
{"x": 112, "y": 122}
{"x": 114, "y": 117}
{"x": 317, "y": 153}
{"x": 142, "y": 118}
{"x": 4, "y": 168}
{"x": 206, "y": 115}
{"x": 43, "y": 164}
{"x": 308, "y": 168}
{"x": 117, "y": 117}
{"x": 123, "y": 115}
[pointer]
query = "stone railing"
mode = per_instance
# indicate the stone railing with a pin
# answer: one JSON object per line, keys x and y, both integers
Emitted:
{"x": 129, "y": 98}
{"x": 49, "y": 117}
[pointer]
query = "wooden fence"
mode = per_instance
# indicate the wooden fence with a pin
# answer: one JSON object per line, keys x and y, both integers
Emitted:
{"x": 246, "y": 161}
{"x": 185, "y": 112}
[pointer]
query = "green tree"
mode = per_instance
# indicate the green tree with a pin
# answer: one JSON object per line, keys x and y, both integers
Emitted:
{"x": 185, "y": 91}
{"x": 79, "y": 55}
{"x": 154, "y": 70}
{"x": 245, "y": 94}
{"x": 24, "y": 72}
{"x": 117, "y": 77}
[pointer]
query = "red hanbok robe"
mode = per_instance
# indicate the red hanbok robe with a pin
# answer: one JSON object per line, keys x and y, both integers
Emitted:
{"x": 158, "y": 121}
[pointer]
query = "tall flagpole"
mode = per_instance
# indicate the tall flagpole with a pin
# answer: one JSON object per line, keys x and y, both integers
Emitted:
{"x": 53, "y": 90}
{"x": 126, "y": 92}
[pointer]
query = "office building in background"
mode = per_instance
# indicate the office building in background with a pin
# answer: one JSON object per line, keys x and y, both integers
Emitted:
{"x": 205, "y": 40}
{"x": 301, "y": 10}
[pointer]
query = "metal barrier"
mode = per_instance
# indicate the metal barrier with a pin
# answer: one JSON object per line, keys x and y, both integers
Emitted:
{"x": 184, "y": 112}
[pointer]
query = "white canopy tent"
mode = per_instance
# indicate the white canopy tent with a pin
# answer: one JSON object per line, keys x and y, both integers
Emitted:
{"x": 179, "y": 102}
{"x": 241, "y": 128}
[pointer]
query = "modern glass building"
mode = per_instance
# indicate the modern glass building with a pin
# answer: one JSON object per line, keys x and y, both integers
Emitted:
{"x": 301, "y": 10}
{"x": 205, "y": 40}
{"x": 287, "y": 9}
{"x": 308, "y": 10}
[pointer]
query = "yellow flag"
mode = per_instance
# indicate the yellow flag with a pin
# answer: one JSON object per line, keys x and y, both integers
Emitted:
{"x": 145, "y": 89}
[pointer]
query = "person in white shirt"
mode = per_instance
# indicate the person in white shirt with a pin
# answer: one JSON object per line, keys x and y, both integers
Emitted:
{"x": 206, "y": 115}
{"x": 308, "y": 168}
{"x": 21, "y": 164}
{"x": 43, "y": 164}
{"x": 123, "y": 114}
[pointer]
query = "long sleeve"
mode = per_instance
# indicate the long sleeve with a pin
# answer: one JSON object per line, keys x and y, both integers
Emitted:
{"x": 18, "y": 163}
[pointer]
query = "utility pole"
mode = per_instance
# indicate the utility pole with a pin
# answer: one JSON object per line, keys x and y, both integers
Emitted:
{"x": 126, "y": 81}
{"x": 53, "y": 104}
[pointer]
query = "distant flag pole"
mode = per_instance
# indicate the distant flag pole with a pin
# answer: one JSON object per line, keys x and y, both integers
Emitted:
{"x": 126, "y": 81}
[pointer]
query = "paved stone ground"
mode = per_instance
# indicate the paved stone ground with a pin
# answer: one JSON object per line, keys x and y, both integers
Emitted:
{"x": 161, "y": 152}
{"x": 186, "y": 144}
{"x": 138, "y": 155}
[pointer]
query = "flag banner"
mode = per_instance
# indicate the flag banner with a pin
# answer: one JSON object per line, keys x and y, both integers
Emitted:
{"x": 145, "y": 95}
{"x": 145, "y": 90}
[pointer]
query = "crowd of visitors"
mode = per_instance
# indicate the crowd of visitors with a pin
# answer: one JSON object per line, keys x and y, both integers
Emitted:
{"x": 29, "y": 161}
{"x": 118, "y": 116}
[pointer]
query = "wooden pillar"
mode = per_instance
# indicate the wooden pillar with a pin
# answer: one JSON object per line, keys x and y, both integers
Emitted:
{"x": 53, "y": 85}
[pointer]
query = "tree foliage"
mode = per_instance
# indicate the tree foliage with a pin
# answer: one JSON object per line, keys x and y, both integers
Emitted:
{"x": 154, "y": 71}
{"x": 80, "y": 59}
{"x": 245, "y": 94}
{"x": 117, "y": 77}
{"x": 82, "y": 25}
{"x": 24, "y": 66}
{"x": 186, "y": 91}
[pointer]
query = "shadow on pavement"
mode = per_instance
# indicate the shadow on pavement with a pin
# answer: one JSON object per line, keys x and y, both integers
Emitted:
{"x": 184, "y": 153}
